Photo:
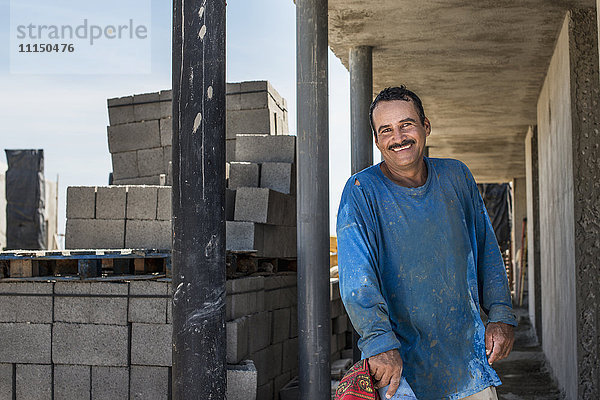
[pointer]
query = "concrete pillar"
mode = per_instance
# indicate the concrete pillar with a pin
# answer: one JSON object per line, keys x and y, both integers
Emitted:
{"x": 519, "y": 213}
{"x": 314, "y": 325}
{"x": 198, "y": 257}
{"x": 533, "y": 231}
{"x": 361, "y": 96}
{"x": 568, "y": 151}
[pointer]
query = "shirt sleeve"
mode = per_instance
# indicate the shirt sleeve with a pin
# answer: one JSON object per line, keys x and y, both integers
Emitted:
{"x": 359, "y": 281}
{"x": 494, "y": 293}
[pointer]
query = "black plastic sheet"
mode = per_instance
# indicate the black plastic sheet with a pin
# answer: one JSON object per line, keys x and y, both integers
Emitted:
{"x": 497, "y": 202}
{"x": 25, "y": 198}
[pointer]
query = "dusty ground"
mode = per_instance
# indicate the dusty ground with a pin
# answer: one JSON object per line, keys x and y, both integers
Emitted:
{"x": 524, "y": 373}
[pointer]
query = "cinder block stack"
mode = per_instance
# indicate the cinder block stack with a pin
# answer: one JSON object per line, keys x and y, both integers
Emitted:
{"x": 141, "y": 131}
{"x": 116, "y": 217}
{"x": 265, "y": 201}
{"x": 139, "y": 138}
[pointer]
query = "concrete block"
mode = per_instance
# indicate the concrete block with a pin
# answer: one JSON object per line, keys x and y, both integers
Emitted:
{"x": 281, "y": 298}
{"x": 150, "y": 161}
{"x": 124, "y": 165}
{"x": 148, "y": 309}
{"x": 280, "y": 381}
{"x": 120, "y": 114}
{"x": 25, "y": 343}
{"x": 133, "y": 136}
{"x": 140, "y": 180}
{"x": 167, "y": 158}
{"x": 266, "y": 148}
{"x": 337, "y": 308}
{"x": 278, "y": 176}
{"x": 164, "y": 203}
{"x": 91, "y": 310}
{"x": 268, "y": 362}
{"x": 111, "y": 202}
{"x": 110, "y": 383}
{"x": 149, "y": 383}
{"x": 237, "y": 340}
{"x": 34, "y": 309}
{"x": 81, "y": 202}
{"x": 259, "y": 331}
{"x": 95, "y": 234}
{"x": 254, "y": 86}
{"x": 243, "y": 174}
{"x": 279, "y": 281}
{"x": 293, "y": 322}
{"x": 146, "y": 97}
{"x": 241, "y": 304}
{"x": 267, "y": 240}
{"x": 33, "y": 382}
{"x": 264, "y": 206}
{"x": 119, "y": 101}
{"x": 341, "y": 341}
{"x": 166, "y": 95}
{"x": 147, "y": 111}
{"x": 148, "y": 234}
{"x": 142, "y": 202}
{"x": 254, "y": 100}
{"x": 72, "y": 382}
{"x": 233, "y": 101}
{"x": 233, "y": 87}
{"x": 229, "y": 204}
{"x": 265, "y": 392}
{"x": 290, "y": 355}
{"x": 151, "y": 344}
{"x": 166, "y": 131}
{"x": 241, "y": 381}
{"x": 340, "y": 324}
{"x": 243, "y": 285}
{"x": 230, "y": 150}
{"x": 248, "y": 122}
{"x": 86, "y": 344}
{"x": 6, "y": 381}
{"x": 281, "y": 325}
{"x": 334, "y": 289}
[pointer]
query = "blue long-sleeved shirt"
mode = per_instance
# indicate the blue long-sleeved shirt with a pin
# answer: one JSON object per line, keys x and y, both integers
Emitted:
{"x": 415, "y": 265}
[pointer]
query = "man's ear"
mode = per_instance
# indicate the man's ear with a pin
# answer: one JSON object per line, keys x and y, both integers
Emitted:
{"x": 375, "y": 137}
{"x": 427, "y": 126}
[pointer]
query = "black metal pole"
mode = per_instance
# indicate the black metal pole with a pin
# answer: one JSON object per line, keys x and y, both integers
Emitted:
{"x": 314, "y": 325}
{"x": 198, "y": 258}
{"x": 361, "y": 95}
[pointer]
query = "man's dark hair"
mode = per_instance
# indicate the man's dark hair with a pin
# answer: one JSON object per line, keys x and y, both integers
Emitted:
{"x": 396, "y": 93}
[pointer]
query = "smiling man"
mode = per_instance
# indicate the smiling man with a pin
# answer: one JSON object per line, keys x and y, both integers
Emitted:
{"x": 417, "y": 259}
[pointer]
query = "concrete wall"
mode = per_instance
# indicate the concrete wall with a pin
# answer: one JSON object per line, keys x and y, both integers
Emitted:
{"x": 569, "y": 205}
{"x": 533, "y": 231}
{"x": 519, "y": 211}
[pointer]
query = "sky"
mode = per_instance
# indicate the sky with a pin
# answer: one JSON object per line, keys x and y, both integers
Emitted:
{"x": 66, "y": 114}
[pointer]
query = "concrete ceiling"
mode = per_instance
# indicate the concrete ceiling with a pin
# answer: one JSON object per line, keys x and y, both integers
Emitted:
{"x": 477, "y": 65}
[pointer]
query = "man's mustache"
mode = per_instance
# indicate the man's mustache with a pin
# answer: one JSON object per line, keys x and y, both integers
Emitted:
{"x": 402, "y": 144}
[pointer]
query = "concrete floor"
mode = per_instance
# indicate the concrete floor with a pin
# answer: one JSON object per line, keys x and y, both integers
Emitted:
{"x": 524, "y": 374}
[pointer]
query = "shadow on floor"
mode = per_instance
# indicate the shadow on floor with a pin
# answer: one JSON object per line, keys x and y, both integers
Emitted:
{"x": 524, "y": 373}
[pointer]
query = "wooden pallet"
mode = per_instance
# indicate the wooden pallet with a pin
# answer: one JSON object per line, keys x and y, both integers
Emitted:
{"x": 241, "y": 263}
{"x": 84, "y": 263}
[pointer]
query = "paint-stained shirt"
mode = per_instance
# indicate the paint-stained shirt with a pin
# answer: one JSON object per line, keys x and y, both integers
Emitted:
{"x": 415, "y": 266}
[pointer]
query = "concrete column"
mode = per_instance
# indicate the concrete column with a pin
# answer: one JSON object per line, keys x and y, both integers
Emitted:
{"x": 533, "y": 231}
{"x": 314, "y": 325}
{"x": 519, "y": 212}
{"x": 361, "y": 96}
{"x": 569, "y": 195}
{"x": 198, "y": 258}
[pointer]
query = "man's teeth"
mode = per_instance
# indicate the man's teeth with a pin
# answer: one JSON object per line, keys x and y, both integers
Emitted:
{"x": 402, "y": 148}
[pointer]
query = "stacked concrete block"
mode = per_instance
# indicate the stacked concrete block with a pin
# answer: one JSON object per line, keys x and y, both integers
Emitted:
{"x": 118, "y": 217}
{"x": 116, "y": 341}
{"x": 265, "y": 209}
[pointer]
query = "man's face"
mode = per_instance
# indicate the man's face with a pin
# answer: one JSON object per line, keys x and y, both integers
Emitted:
{"x": 400, "y": 136}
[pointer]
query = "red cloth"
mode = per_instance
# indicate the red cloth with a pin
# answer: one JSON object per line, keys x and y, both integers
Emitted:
{"x": 357, "y": 384}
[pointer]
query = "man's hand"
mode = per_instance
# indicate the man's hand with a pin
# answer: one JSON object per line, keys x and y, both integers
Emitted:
{"x": 386, "y": 369}
{"x": 499, "y": 340}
